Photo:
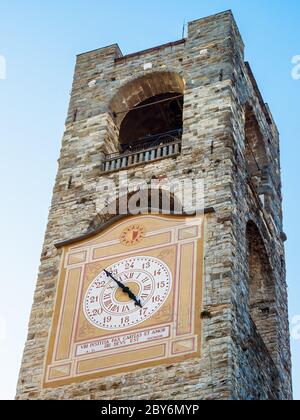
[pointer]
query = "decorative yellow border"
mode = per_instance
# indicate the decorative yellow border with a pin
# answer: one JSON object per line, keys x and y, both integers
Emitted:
{"x": 137, "y": 366}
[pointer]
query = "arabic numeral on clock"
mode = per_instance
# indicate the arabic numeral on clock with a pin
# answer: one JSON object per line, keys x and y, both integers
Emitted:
{"x": 129, "y": 266}
{"x": 143, "y": 311}
{"x": 97, "y": 312}
{"x": 161, "y": 285}
{"x": 146, "y": 265}
{"x": 100, "y": 284}
{"x": 107, "y": 319}
{"x": 125, "y": 320}
{"x": 156, "y": 299}
{"x": 94, "y": 299}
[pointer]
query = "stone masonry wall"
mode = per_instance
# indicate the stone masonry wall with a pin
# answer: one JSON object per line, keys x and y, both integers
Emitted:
{"x": 235, "y": 363}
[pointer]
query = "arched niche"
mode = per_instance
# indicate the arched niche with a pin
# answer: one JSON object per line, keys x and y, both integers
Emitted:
{"x": 257, "y": 161}
{"x": 149, "y": 108}
{"x": 262, "y": 293}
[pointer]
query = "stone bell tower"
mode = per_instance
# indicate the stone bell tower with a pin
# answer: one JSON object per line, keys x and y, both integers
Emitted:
{"x": 190, "y": 108}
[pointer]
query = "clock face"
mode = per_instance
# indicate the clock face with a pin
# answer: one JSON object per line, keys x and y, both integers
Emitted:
{"x": 107, "y": 307}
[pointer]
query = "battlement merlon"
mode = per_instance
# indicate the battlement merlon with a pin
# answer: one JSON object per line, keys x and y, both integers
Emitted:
{"x": 216, "y": 27}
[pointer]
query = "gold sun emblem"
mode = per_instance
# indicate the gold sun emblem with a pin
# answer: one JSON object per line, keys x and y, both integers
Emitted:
{"x": 133, "y": 235}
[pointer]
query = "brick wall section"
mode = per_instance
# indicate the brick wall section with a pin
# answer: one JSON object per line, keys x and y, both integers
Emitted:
{"x": 217, "y": 89}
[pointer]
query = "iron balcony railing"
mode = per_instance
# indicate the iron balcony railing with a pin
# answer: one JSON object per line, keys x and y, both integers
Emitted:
{"x": 146, "y": 150}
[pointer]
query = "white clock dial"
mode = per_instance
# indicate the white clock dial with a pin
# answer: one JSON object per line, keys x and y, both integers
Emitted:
{"x": 107, "y": 307}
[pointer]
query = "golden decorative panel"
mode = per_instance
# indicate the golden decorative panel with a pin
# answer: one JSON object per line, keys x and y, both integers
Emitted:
{"x": 128, "y": 299}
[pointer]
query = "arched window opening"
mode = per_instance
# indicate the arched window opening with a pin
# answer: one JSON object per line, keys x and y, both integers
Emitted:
{"x": 151, "y": 121}
{"x": 261, "y": 289}
{"x": 256, "y": 155}
{"x": 147, "y": 113}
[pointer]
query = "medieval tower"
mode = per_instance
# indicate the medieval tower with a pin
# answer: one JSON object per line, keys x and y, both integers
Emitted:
{"x": 164, "y": 306}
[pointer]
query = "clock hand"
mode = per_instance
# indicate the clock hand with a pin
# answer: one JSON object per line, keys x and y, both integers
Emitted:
{"x": 121, "y": 285}
{"x": 125, "y": 289}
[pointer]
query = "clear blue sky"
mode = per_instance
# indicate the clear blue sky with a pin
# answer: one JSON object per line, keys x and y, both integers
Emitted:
{"x": 39, "y": 40}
